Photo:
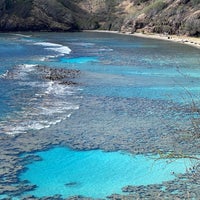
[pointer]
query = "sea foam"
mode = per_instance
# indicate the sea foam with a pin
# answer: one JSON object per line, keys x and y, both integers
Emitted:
{"x": 46, "y": 106}
{"x": 4, "y": 75}
{"x": 61, "y": 49}
{"x": 48, "y": 44}
{"x": 22, "y": 35}
{"x": 20, "y": 71}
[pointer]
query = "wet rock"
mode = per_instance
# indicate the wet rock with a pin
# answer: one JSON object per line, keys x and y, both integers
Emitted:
{"x": 61, "y": 75}
{"x": 30, "y": 158}
{"x": 29, "y": 197}
{"x": 129, "y": 188}
{"x": 68, "y": 83}
{"x": 78, "y": 197}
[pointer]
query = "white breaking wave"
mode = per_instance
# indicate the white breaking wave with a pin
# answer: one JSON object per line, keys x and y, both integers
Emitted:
{"x": 46, "y": 58}
{"x": 58, "y": 89}
{"x": 20, "y": 72}
{"x": 43, "y": 59}
{"x": 21, "y": 35}
{"x": 23, "y": 71}
{"x": 48, "y": 44}
{"x": 27, "y": 67}
{"x": 62, "y": 50}
{"x": 5, "y": 74}
{"x": 105, "y": 49}
{"x": 85, "y": 44}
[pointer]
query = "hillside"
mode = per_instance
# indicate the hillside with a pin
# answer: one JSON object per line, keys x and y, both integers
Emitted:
{"x": 169, "y": 16}
{"x": 160, "y": 16}
{"x": 42, "y": 15}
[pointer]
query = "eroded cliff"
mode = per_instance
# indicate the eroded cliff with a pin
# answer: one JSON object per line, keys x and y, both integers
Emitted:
{"x": 160, "y": 16}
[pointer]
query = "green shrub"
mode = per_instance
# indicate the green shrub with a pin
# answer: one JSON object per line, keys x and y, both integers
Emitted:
{"x": 192, "y": 26}
{"x": 195, "y": 2}
{"x": 8, "y": 4}
{"x": 155, "y": 7}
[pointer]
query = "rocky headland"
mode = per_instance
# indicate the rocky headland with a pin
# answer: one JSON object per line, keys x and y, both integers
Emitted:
{"x": 179, "y": 17}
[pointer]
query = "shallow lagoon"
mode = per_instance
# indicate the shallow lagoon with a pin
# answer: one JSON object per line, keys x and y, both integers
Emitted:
{"x": 95, "y": 173}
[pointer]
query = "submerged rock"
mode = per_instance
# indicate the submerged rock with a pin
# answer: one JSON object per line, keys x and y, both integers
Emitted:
{"x": 55, "y": 74}
{"x": 61, "y": 76}
{"x": 71, "y": 184}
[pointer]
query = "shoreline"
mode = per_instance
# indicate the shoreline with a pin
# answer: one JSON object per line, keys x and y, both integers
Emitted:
{"x": 191, "y": 41}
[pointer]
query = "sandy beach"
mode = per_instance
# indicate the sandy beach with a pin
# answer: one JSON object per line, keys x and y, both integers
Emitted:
{"x": 192, "y": 41}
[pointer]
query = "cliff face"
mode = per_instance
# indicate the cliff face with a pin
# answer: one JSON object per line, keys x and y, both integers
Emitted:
{"x": 164, "y": 16}
{"x": 161, "y": 16}
{"x": 42, "y": 15}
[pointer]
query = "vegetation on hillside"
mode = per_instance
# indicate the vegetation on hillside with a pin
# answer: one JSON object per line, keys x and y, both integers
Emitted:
{"x": 160, "y": 16}
{"x": 165, "y": 16}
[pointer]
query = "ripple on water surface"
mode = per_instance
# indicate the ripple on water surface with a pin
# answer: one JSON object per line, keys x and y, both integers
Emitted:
{"x": 95, "y": 173}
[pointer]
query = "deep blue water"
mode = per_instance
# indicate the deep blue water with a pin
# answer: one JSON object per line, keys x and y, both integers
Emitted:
{"x": 114, "y": 68}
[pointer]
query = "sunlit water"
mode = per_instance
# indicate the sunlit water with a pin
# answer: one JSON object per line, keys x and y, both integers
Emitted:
{"x": 126, "y": 88}
{"x": 96, "y": 173}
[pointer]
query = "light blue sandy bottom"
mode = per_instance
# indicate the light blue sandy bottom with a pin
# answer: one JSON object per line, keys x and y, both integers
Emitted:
{"x": 78, "y": 60}
{"x": 95, "y": 173}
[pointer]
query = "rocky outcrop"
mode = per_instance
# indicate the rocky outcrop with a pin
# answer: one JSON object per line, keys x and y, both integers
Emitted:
{"x": 164, "y": 16}
{"x": 160, "y": 16}
{"x": 61, "y": 76}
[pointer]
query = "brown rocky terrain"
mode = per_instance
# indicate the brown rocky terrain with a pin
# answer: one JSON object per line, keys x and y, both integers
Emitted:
{"x": 159, "y": 16}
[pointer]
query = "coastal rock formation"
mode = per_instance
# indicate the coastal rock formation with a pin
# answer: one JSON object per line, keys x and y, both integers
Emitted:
{"x": 41, "y": 15}
{"x": 58, "y": 75}
{"x": 160, "y": 16}
{"x": 164, "y": 16}
{"x": 62, "y": 76}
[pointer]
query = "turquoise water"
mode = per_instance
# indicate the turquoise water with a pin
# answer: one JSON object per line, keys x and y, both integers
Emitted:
{"x": 132, "y": 95}
{"x": 95, "y": 173}
{"x": 79, "y": 60}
